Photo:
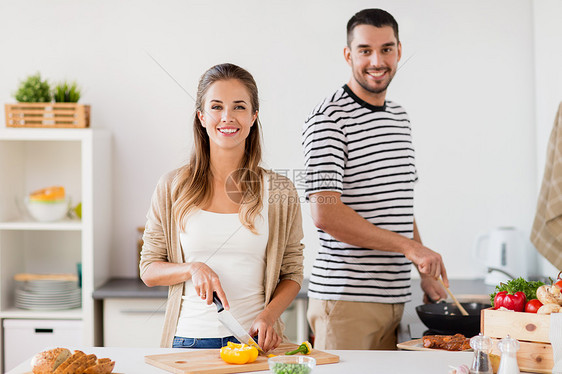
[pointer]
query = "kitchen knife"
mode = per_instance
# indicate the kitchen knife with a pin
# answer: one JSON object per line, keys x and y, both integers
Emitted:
{"x": 228, "y": 320}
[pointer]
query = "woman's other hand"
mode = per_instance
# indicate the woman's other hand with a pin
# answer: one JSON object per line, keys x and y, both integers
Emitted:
{"x": 267, "y": 337}
{"x": 206, "y": 281}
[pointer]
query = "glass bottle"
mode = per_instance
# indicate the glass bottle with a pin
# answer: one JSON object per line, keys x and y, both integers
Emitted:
{"x": 508, "y": 364}
{"x": 481, "y": 363}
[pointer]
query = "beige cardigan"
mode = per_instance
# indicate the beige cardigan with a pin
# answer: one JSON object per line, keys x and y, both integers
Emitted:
{"x": 284, "y": 255}
{"x": 547, "y": 227}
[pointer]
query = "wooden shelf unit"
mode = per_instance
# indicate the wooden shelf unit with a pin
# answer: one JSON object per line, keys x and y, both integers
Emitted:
{"x": 79, "y": 160}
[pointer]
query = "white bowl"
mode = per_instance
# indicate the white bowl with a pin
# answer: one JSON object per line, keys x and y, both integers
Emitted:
{"x": 291, "y": 364}
{"x": 47, "y": 211}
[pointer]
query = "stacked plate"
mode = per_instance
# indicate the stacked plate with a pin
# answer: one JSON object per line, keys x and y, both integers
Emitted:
{"x": 48, "y": 294}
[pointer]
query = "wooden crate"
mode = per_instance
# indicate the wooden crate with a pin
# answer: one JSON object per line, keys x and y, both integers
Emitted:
{"x": 48, "y": 115}
{"x": 531, "y": 357}
{"x": 532, "y": 330}
{"x": 530, "y": 327}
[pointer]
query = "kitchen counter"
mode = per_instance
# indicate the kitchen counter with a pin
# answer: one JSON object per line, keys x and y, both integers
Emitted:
{"x": 124, "y": 288}
{"x": 131, "y": 361}
{"x": 127, "y": 288}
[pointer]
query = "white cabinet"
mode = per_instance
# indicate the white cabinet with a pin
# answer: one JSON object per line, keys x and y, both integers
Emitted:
{"x": 24, "y": 338}
{"x": 133, "y": 322}
{"x": 79, "y": 160}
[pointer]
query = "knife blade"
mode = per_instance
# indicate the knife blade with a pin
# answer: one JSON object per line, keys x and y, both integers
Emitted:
{"x": 235, "y": 328}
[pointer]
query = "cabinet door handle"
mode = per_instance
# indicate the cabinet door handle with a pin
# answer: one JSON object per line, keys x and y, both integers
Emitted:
{"x": 43, "y": 331}
{"x": 127, "y": 311}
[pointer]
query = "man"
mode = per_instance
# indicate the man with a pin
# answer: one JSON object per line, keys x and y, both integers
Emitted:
{"x": 360, "y": 179}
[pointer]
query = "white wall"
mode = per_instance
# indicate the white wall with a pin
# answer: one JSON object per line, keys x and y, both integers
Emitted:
{"x": 468, "y": 81}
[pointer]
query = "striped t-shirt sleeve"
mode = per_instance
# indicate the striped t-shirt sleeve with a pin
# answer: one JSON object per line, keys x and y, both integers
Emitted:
{"x": 325, "y": 154}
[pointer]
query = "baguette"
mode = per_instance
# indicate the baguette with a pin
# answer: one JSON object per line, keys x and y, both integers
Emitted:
{"x": 48, "y": 361}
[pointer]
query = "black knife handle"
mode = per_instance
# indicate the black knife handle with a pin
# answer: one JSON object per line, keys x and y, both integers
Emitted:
{"x": 218, "y": 302}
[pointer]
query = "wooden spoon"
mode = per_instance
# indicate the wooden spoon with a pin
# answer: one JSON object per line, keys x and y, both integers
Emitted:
{"x": 461, "y": 308}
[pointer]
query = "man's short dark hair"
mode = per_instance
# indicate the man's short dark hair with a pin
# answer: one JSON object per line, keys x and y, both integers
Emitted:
{"x": 373, "y": 17}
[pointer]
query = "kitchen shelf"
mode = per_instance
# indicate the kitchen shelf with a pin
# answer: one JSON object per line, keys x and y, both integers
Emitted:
{"x": 30, "y": 134}
{"x": 74, "y": 225}
{"x": 40, "y": 314}
{"x": 79, "y": 160}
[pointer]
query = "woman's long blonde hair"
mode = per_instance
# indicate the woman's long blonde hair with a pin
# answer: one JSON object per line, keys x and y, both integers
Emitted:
{"x": 192, "y": 187}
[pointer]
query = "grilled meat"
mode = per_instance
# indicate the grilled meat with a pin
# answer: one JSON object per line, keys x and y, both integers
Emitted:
{"x": 457, "y": 342}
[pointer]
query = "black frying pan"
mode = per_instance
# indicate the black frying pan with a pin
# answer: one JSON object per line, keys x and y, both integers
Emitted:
{"x": 447, "y": 319}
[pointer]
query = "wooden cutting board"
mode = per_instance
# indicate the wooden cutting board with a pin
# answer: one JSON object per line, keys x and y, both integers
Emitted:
{"x": 208, "y": 361}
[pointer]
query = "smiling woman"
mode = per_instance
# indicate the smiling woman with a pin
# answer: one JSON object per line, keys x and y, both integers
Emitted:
{"x": 218, "y": 226}
{"x": 227, "y": 115}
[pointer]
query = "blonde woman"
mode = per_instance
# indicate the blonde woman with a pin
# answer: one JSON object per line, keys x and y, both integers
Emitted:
{"x": 223, "y": 224}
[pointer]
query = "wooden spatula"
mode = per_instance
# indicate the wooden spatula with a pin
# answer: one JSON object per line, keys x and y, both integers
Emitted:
{"x": 461, "y": 308}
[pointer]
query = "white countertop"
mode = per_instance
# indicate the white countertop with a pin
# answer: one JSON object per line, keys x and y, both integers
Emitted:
{"x": 131, "y": 361}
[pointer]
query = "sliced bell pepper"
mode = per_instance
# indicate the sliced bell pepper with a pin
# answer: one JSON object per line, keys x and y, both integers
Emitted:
{"x": 234, "y": 353}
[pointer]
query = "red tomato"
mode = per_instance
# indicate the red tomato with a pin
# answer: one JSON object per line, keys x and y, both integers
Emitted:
{"x": 532, "y": 306}
{"x": 558, "y": 283}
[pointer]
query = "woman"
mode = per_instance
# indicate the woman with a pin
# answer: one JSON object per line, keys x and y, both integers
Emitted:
{"x": 223, "y": 224}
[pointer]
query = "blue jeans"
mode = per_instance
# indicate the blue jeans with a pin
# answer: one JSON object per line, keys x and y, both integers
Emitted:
{"x": 202, "y": 343}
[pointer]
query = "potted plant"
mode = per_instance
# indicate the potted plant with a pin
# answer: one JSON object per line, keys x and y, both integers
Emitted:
{"x": 36, "y": 108}
{"x": 33, "y": 90}
{"x": 65, "y": 92}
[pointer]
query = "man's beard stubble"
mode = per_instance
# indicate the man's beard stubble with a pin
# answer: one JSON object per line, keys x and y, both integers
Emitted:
{"x": 366, "y": 87}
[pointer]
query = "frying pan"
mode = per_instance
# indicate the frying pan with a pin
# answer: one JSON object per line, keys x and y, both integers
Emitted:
{"x": 447, "y": 318}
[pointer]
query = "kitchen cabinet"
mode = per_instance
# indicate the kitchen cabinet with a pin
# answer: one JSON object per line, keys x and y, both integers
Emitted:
{"x": 35, "y": 335}
{"x": 133, "y": 322}
{"x": 79, "y": 160}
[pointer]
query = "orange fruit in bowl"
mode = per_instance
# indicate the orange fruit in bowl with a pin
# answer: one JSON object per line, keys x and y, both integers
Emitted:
{"x": 53, "y": 193}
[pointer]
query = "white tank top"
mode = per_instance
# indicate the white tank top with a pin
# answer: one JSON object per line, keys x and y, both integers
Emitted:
{"x": 237, "y": 256}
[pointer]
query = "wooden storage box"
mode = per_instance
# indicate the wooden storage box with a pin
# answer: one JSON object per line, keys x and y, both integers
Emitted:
{"x": 532, "y": 330}
{"x": 48, "y": 115}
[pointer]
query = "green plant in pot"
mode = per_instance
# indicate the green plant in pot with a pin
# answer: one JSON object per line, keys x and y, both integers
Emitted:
{"x": 65, "y": 92}
{"x": 33, "y": 90}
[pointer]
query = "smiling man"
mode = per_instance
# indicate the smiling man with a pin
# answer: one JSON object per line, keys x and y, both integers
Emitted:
{"x": 360, "y": 183}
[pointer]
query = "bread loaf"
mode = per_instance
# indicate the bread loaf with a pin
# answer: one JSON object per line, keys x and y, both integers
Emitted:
{"x": 62, "y": 368}
{"x": 102, "y": 367}
{"x": 73, "y": 368}
{"x": 47, "y": 362}
{"x": 61, "y": 361}
{"x": 90, "y": 361}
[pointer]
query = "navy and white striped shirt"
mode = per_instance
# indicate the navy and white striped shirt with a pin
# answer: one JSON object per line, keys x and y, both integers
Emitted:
{"x": 364, "y": 152}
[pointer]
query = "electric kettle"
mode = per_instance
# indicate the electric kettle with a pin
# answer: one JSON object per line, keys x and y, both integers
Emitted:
{"x": 503, "y": 251}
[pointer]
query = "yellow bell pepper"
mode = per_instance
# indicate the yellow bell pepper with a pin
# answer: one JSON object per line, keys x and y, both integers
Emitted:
{"x": 234, "y": 353}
